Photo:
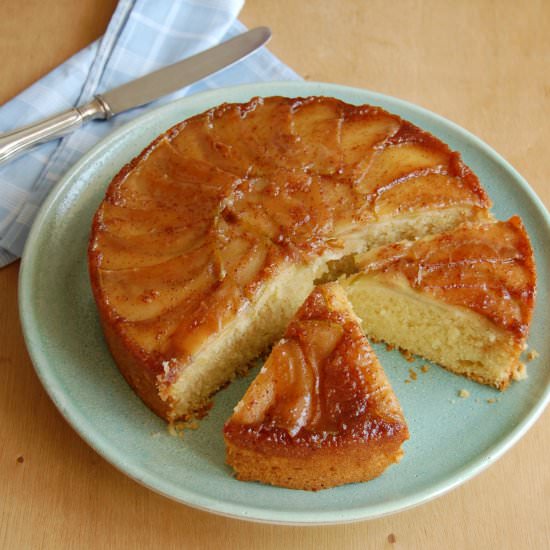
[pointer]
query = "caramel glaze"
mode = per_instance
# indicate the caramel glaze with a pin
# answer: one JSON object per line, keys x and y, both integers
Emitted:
{"x": 487, "y": 268}
{"x": 322, "y": 387}
{"x": 191, "y": 229}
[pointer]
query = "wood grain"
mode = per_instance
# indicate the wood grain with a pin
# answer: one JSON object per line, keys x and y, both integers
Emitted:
{"x": 485, "y": 65}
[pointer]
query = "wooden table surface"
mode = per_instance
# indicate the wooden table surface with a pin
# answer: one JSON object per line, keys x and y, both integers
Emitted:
{"x": 484, "y": 64}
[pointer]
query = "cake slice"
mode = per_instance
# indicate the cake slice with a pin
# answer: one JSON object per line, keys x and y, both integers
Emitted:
{"x": 463, "y": 299}
{"x": 321, "y": 411}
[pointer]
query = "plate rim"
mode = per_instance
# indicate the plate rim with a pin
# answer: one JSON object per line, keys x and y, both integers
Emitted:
{"x": 190, "y": 497}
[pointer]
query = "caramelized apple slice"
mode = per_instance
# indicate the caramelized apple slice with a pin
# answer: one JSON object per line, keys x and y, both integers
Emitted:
{"x": 317, "y": 127}
{"x": 421, "y": 192}
{"x": 143, "y": 292}
{"x": 363, "y": 131}
{"x": 286, "y": 392}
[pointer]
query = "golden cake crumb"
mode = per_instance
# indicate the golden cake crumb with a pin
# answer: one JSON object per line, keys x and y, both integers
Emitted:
{"x": 532, "y": 354}
{"x": 178, "y": 428}
{"x": 521, "y": 372}
{"x": 464, "y": 394}
{"x": 172, "y": 430}
{"x": 412, "y": 374}
{"x": 491, "y": 400}
{"x": 425, "y": 368}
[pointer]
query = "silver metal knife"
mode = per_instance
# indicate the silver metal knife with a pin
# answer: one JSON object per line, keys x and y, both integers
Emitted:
{"x": 135, "y": 93}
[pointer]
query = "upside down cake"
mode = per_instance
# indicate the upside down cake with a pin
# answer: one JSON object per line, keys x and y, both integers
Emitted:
{"x": 208, "y": 242}
{"x": 321, "y": 412}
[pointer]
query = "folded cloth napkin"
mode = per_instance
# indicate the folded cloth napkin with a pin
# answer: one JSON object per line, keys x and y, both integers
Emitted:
{"x": 142, "y": 36}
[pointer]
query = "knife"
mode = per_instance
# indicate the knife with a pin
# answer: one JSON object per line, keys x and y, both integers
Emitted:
{"x": 135, "y": 93}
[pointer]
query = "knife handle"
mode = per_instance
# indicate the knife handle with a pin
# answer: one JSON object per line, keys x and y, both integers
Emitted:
{"x": 14, "y": 143}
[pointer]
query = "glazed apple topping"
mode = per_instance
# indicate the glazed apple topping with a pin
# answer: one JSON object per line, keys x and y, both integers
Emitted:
{"x": 487, "y": 269}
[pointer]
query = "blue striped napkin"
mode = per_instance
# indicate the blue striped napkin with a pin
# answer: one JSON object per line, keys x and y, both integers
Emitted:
{"x": 142, "y": 36}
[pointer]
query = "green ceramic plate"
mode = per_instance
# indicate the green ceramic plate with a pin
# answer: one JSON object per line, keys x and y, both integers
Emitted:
{"x": 452, "y": 439}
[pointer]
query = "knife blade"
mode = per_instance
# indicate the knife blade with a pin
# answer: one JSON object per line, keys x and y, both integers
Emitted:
{"x": 136, "y": 93}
